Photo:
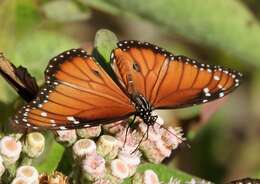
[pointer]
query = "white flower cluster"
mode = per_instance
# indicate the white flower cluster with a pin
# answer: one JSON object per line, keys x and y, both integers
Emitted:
{"x": 10, "y": 152}
{"x": 100, "y": 159}
{"x": 26, "y": 175}
{"x": 115, "y": 155}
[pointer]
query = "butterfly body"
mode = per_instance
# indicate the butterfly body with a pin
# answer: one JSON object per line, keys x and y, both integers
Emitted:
{"x": 144, "y": 109}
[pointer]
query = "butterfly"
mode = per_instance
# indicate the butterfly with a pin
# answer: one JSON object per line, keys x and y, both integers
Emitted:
{"x": 79, "y": 93}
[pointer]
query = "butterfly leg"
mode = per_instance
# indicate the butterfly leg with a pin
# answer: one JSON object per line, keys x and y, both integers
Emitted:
{"x": 129, "y": 125}
{"x": 141, "y": 140}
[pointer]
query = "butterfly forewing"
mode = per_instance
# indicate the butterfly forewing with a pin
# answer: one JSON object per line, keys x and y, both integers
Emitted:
{"x": 77, "y": 93}
{"x": 169, "y": 81}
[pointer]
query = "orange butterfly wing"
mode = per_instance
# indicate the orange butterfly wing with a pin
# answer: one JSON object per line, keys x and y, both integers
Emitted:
{"x": 169, "y": 81}
{"x": 77, "y": 93}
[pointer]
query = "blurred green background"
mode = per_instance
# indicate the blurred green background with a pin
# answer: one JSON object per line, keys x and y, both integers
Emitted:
{"x": 215, "y": 32}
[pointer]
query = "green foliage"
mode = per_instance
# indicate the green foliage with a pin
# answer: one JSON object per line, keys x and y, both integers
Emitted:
{"x": 65, "y": 11}
{"x": 51, "y": 157}
{"x": 101, "y": 5}
{"x": 226, "y": 25}
{"x": 35, "y": 54}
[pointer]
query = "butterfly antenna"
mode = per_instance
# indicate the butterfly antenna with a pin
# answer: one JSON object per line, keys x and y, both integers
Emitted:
{"x": 129, "y": 125}
{"x": 182, "y": 140}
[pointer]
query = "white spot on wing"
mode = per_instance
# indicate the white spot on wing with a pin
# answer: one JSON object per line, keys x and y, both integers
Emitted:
{"x": 71, "y": 118}
{"x": 206, "y": 90}
{"x": 221, "y": 94}
{"x": 216, "y": 78}
{"x": 44, "y": 114}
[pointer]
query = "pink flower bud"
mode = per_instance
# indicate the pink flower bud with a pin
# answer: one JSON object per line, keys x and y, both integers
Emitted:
{"x": 10, "y": 149}
{"x": 129, "y": 141}
{"x": 119, "y": 169}
{"x": 132, "y": 160}
{"x": 150, "y": 177}
{"x": 20, "y": 180}
{"x": 113, "y": 128}
{"x": 160, "y": 145}
{"x": 67, "y": 137}
{"x": 107, "y": 146}
{"x": 151, "y": 152}
{"x": 28, "y": 172}
{"x": 89, "y": 132}
{"x": 94, "y": 167}
{"x": 34, "y": 144}
{"x": 174, "y": 138}
{"x": 84, "y": 147}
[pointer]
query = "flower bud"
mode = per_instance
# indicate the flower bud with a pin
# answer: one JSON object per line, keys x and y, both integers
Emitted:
{"x": 93, "y": 167}
{"x": 20, "y": 180}
{"x": 128, "y": 141}
{"x": 113, "y": 128}
{"x": 150, "y": 177}
{"x": 28, "y": 172}
{"x": 10, "y": 149}
{"x": 107, "y": 147}
{"x": 58, "y": 178}
{"x": 34, "y": 144}
{"x": 55, "y": 178}
{"x": 151, "y": 152}
{"x": 66, "y": 137}
{"x": 84, "y": 147}
{"x": 131, "y": 159}
{"x": 119, "y": 169}
{"x": 160, "y": 145}
{"x": 89, "y": 132}
{"x": 174, "y": 138}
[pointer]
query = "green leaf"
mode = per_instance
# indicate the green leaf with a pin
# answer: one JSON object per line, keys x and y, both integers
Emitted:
{"x": 164, "y": 173}
{"x": 65, "y": 11}
{"x": 227, "y": 25}
{"x": 27, "y": 16}
{"x": 105, "y": 42}
{"x": 17, "y": 18}
{"x": 51, "y": 157}
{"x": 101, "y": 6}
{"x": 35, "y": 50}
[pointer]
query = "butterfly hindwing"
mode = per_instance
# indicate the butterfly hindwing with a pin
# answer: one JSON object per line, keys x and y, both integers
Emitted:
{"x": 24, "y": 84}
{"x": 77, "y": 93}
{"x": 169, "y": 81}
